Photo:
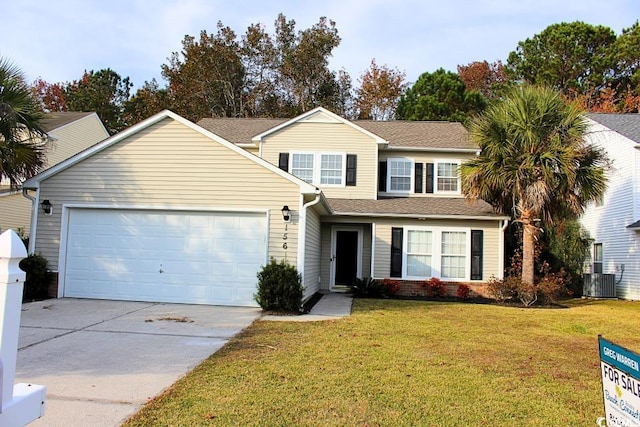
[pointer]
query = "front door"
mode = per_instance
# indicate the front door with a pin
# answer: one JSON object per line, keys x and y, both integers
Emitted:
{"x": 347, "y": 252}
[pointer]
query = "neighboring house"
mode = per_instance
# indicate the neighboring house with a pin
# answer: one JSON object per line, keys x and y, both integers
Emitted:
{"x": 173, "y": 211}
{"x": 68, "y": 134}
{"x": 614, "y": 222}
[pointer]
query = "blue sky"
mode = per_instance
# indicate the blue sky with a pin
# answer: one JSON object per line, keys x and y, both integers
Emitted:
{"x": 58, "y": 39}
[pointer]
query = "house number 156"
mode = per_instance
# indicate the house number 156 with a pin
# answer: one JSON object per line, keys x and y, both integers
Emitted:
{"x": 285, "y": 237}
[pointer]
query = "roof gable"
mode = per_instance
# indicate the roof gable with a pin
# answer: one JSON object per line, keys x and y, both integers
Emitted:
{"x": 34, "y": 182}
{"x": 318, "y": 115}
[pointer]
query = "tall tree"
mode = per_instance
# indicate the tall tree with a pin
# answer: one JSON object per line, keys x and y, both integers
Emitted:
{"x": 104, "y": 92}
{"x": 302, "y": 63}
{"x": 379, "y": 93}
{"x": 534, "y": 163}
{"x": 440, "y": 95}
{"x": 207, "y": 78}
{"x": 147, "y": 101}
{"x": 567, "y": 57}
{"x": 49, "y": 96}
{"x": 490, "y": 79}
{"x": 22, "y": 139}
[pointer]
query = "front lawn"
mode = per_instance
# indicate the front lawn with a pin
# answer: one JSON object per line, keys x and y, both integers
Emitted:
{"x": 407, "y": 363}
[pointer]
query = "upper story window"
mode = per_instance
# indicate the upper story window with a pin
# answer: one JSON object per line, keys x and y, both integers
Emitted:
{"x": 405, "y": 175}
{"x": 331, "y": 169}
{"x": 302, "y": 166}
{"x": 326, "y": 169}
{"x": 399, "y": 175}
{"x": 447, "y": 178}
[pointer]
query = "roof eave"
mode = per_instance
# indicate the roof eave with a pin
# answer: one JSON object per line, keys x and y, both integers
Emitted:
{"x": 434, "y": 149}
{"x": 424, "y": 216}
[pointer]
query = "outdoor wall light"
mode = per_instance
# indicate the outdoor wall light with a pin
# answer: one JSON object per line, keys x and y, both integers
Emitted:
{"x": 286, "y": 213}
{"x": 46, "y": 207}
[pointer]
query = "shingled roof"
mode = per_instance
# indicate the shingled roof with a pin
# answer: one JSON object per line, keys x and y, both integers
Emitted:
{"x": 58, "y": 119}
{"x": 625, "y": 124}
{"x": 418, "y": 134}
{"x": 239, "y": 131}
{"x": 398, "y": 133}
{"x": 413, "y": 206}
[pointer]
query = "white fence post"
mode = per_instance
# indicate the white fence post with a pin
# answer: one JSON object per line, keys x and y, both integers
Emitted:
{"x": 20, "y": 403}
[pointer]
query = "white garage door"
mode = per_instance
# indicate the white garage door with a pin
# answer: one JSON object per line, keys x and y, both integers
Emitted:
{"x": 186, "y": 257}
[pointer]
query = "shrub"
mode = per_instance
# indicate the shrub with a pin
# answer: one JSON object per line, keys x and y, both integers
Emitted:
{"x": 391, "y": 286}
{"x": 37, "y": 277}
{"x": 463, "y": 292}
{"x": 502, "y": 290}
{"x": 435, "y": 287}
{"x": 553, "y": 286}
{"x": 527, "y": 293}
{"x": 279, "y": 287}
{"x": 367, "y": 287}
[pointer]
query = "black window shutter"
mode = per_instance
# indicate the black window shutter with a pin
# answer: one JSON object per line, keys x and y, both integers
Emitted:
{"x": 396, "y": 252}
{"x": 283, "y": 162}
{"x": 382, "y": 176}
{"x": 476, "y": 254}
{"x": 418, "y": 178}
{"x": 352, "y": 163}
{"x": 429, "y": 177}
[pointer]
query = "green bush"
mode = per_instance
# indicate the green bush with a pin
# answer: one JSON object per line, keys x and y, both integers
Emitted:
{"x": 367, "y": 287}
{"x": 37, "y": 280}
{"x": 279, "y": 287}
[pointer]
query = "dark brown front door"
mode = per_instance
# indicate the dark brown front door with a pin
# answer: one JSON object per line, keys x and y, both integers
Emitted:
{"x": 346, "y": 257}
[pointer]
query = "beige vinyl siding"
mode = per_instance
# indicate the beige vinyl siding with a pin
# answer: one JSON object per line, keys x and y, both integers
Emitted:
{"x": 312, "y": 254}
{"x": 329, "y": 138}
{"x": 169, "y": 165}
{"x": 15, "y": 213}
{"x": 424, "y": 157}
{"x": 75, "y": 137}
{"x": 491, "y": 247}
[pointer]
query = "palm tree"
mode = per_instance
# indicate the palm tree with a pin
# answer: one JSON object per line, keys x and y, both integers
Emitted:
{"x": 22, "y": 139}
{"x": 534, "y": 163}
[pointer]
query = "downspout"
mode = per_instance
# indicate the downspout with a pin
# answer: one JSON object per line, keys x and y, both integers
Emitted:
{"x": 302, "y": 233}
{"x": 501, "y": 248}
{"x": 34, "y": 219}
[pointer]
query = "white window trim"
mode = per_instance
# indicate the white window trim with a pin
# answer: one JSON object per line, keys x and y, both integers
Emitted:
{"x": 436, "y": 176}
{"x": 317, "y": 163}
{"x": 436, "y": 252}
{"x": 411, "y": 175}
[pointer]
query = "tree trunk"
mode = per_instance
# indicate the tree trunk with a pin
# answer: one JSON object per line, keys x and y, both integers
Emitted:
{"x": 528, "y": 248}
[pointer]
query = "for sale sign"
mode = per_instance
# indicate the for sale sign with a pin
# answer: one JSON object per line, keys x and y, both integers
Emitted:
{"x": 620, "y": 384}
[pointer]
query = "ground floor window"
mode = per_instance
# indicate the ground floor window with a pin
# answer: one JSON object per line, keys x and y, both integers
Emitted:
{"x": 435, "y": 252}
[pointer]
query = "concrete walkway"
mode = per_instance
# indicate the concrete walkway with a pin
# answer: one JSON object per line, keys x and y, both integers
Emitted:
{"x": 331, "y": 306}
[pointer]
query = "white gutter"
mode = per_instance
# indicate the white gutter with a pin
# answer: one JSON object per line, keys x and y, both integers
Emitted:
{"x": 302, "y": 225}
{"x": 34, "y": 219}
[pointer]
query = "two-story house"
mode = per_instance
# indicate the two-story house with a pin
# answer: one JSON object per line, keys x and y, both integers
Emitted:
{"x": 173, "y": 211}
{"x": 68, "y": 133}
{"x": 614, "y": 222}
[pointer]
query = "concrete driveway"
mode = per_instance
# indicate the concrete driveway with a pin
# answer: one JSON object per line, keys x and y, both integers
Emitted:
{"x": 101, "y": 360}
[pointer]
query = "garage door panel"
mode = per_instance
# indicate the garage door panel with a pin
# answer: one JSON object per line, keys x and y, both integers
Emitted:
{"x": 191, "y": 257}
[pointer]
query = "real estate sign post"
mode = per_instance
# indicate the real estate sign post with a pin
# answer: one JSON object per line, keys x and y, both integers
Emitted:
{"x": 620, "y": 384}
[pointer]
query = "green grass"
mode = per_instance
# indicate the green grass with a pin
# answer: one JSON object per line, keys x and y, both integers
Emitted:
{"x": 407, "y": 363}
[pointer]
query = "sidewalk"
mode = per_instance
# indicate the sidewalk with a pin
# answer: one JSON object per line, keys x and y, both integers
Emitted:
{"x": 331, "y": 306}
